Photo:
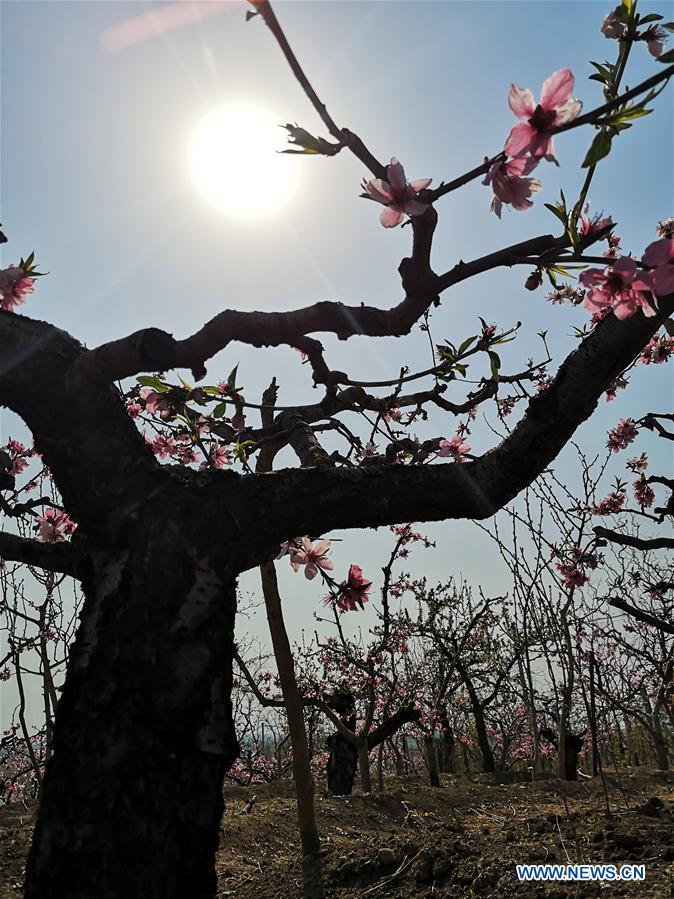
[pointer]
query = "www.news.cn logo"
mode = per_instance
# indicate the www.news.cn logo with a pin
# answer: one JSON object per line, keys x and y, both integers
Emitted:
{"x": 581, "y": 872}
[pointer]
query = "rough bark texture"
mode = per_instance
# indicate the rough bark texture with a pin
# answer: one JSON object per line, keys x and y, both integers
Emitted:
{"x": 132, "y": 798}
{"x": 343, "y": 760}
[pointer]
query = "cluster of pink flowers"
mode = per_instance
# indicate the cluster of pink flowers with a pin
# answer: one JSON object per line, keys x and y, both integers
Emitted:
{"x": 622, "y": 286}
{"x": 567, "y": 293}
{"x": 14, "y": 287}
{"x": 18, "y": 456}
{"x": 638, "y": 464}
{"x": 574, "y": 569}
{"x": 407, "y": 535}
{"x": 659, "y": 349}
{"x": 396, "y": 194}
{"x": 612, "y": 503}
{"x": 531, "y": 140}
{"x": 620, "y": 383}
{"x": 54, "y": 526}
{"x": 614, "y": 26}
{"x": 643, "y": 494}
{"x": 624, "y": 433}
{"x": 454, "y": 448}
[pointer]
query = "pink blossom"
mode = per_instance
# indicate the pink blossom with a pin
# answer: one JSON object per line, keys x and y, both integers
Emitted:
{"x": 533, "y": 137}
{"x": 659, "y": 349}
{"x": 353, "y": 591}
{"x": 455, "y": 448}
{"x": 660, "y": 257}
{"x": 134, "y": 409}
{"x": 220, "y": 457}
{"x": 399, "y": 196}
{"x": 617, "y": 287}
{"x": 54, "y": 526}
{"x": 614, "y": 387}
{"x": 613, "y": 25}
{"x": 611, "y": 504}
{"x": 665, "y": 228}
{"x": 573, "y": 569}
{"x": 312, "y": 557}
{"x": 655, "y": 38}
{"x": 638, "y": 464}
{"x": 14, "y": 287}
{"x": 155, "y": 403}
{"x": 622, "y": 435}
{"x": 643, "y": 494}
{"x": 162, "y": 446}
{"x": 509, "y": 185}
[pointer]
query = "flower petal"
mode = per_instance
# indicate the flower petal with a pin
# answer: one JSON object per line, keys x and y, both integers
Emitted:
{"x": 420, "y": 184}
{"x": 521, "y": 101}
{"x": 663, "y": 280}
{"x": 557, "y": 89}
{"x": 396, "y": 175}
{"x": 391, "y": 216}
{"x": 568, "y": 112}
{"x": 520, "y": 139}
{"x": 659, "y": 252}
{"x": 379, "y": 190}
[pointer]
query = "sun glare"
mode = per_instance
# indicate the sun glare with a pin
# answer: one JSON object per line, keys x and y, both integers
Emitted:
{"x": 235, "y": 164}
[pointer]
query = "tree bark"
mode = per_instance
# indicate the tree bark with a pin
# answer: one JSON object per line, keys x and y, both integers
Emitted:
{"x": 304, "y": 781}
{"x": 132, "y": 795}
{"x": 364, "y": 765}
{"x": 431, "y": 756}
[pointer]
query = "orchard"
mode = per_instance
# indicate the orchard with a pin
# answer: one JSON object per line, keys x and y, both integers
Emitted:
{"x": 145, "y": 477}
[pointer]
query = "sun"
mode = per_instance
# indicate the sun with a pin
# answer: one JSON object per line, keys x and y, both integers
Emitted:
{"x": 235, "y": 163}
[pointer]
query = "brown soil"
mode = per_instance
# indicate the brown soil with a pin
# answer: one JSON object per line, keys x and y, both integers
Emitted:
{"x": 457, "y": 841}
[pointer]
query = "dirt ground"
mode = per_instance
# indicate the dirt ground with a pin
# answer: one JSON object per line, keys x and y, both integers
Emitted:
{"x": 461, "y": 840}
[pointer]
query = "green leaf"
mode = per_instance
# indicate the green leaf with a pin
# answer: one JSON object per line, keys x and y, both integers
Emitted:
{"x": 465, "y": 345}
{"x": 308, "y": 143}
{"x": 601, "y": 147}
{"x": 495, "y": 360}
{"x": 651, "y": 17}
{"x": 231, "y": 380}
{"x": 219, "y": 410}
{"x": 151, "y": 381}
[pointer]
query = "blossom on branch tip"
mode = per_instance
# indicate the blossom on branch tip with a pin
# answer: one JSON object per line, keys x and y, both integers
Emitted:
{"x": 510, "y": 186}
{"x": 54, "y": 526}
{"x": 353, "y": 591}
{"x": 14, "y": 287}
{"x": 613, "y": 25}
{"x": 532, "y": 137}
{"x": 624, "y": 433}
{"x": 312, "y": 557}
{"x": 399, "y": 196}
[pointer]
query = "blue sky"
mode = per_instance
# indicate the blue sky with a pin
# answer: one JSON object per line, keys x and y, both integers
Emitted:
{"x": 94, "y": 177}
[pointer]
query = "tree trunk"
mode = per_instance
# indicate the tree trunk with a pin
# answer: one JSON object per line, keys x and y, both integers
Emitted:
{"x": 364, "y": 765}
{"x": 132, "y": 796}
{"x": 431, "y": 756}
{"x": 304, "y": 781}
{"x": 660, "y": 747}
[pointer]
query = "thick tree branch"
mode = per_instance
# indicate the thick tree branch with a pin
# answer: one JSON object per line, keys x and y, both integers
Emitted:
{"x": 636, "y": 542}
{"x": 640, "y": 615}
{"x": 154, "y": 350}
{"x": 391, "y": 725}
{"x": 57, "y": 557}
{"x": 376, "y": 494}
